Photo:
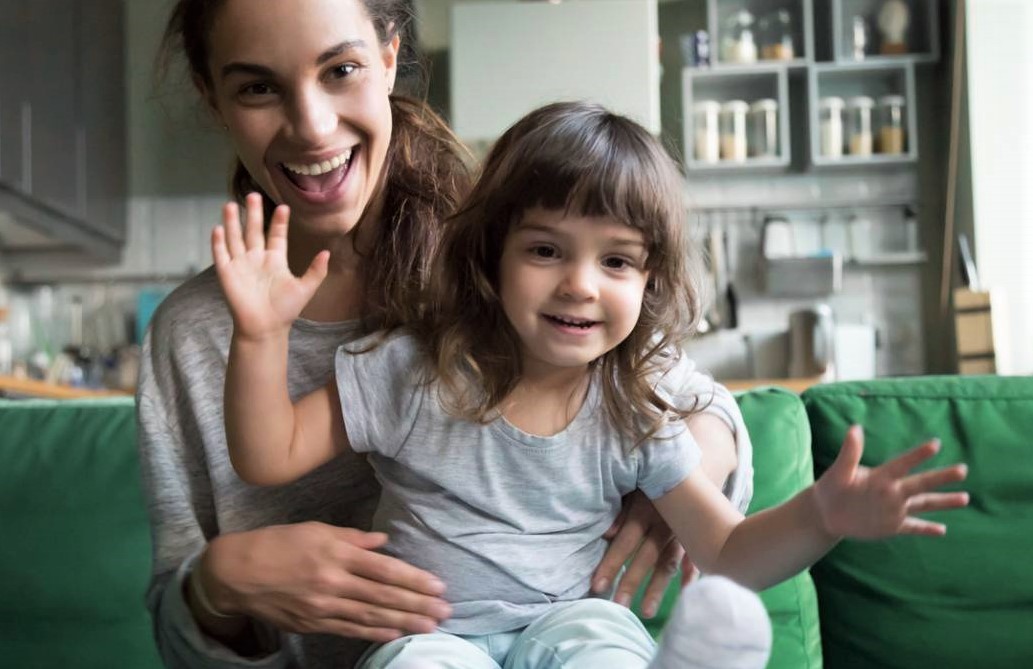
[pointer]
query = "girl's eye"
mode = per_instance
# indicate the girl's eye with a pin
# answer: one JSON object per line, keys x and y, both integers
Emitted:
{"x": 616, "y": 262}
{"x": 342, "y": 71}
{"x": 544, "y": 251}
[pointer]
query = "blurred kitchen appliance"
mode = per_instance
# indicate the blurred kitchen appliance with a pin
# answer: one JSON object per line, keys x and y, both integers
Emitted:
{"x": 811, "y": 342}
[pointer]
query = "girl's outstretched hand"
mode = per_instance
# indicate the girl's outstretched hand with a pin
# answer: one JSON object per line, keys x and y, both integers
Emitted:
{"x": 873, "y": 503}
{"x": 263, "y": 295}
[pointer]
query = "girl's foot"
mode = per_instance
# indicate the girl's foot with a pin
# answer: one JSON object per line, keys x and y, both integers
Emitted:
{"x": 717, "y": 623}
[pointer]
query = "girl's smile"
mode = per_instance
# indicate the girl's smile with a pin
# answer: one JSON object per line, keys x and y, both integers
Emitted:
{"x": 571, "y": 286}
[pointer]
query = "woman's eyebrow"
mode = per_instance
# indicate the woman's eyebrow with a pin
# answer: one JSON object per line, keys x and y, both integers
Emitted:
{"x": 263, "y": 71}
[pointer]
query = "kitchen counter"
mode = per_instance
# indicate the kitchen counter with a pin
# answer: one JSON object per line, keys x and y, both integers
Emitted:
{"x": 20, "y": 387}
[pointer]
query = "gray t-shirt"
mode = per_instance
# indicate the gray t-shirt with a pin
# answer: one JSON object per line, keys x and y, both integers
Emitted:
{"x": 511, "y": 522}
{"x": 193, "y": 494}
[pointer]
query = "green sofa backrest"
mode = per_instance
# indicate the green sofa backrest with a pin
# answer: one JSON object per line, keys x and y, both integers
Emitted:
{"x": 960, "y": 601}
{"x": 74, "y": 541}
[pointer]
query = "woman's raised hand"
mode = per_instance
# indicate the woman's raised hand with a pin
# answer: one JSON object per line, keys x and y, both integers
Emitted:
{"x": 263, "y": 295}
{"x": 874, "y": 503}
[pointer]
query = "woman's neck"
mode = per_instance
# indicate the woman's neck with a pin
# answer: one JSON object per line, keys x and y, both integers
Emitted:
{"x": 340, "y": 296}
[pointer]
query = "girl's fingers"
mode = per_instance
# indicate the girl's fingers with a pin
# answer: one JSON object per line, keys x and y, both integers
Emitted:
{"x": 231, "y": 224}
{"x": 922, "y": 527}
{"x": 254, "y": 238}
{"x": 276, "y": 238}
{"x": 846, "y": 463}
{"x": 936, "y": 502}
{"x": 899, "y": 466}
{"x": 931, "y": 480}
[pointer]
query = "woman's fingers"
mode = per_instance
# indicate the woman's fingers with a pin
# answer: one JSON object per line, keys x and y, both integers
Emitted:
{"x": 625, "y": 542}
{"x": 390, "y": 571}
{"x": 407, "y": 608}
{"x": 351, "y": 630}
{"x": 231, "y": 225}
{"x": 664, "y": 570}
{"x": 276, "y": 238}
{"x": 254, "y": 237}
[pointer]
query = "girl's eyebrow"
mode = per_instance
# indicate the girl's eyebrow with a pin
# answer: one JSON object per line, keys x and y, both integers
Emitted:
{"x": 263, "y": 71}
{"x": 552, "y": 230}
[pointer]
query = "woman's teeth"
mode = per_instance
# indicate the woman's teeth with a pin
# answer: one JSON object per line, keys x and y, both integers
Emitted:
{"x": 316, "y": 169}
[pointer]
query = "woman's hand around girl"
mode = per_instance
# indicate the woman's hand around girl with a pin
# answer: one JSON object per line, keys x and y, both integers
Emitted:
{"x": 263, "y": 295}
{"x": 316, "y": 578}
{"x": 874, "y": 503}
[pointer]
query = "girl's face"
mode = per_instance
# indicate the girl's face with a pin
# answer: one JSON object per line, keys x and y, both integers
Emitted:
{"x": 571, "y": 286}
{"x": 302, "y": 86}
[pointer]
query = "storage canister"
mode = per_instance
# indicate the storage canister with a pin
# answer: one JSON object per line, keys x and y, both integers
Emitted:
{"x": 733, "y": 130}
{"x": 891, "y": 124}
{"x": 738, "y": 45}
{"x": 776, "y": 36}
{"x": 831, "y": 126}
{"x": 763, "y": 124}
{"x": 859, "y": 125}
{"x": 706, "y": 136}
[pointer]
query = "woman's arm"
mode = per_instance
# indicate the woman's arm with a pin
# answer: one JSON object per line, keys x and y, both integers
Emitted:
{"x": 271, "y": 440}
{"x": 849, "y": 500}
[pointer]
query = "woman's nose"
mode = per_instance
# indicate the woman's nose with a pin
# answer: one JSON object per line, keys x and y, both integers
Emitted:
{"x": 579, "y": 282}
{"x": 313, "y": 117}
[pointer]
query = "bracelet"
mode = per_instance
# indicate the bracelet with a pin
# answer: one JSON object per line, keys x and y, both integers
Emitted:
{"x": 198, "y": 594}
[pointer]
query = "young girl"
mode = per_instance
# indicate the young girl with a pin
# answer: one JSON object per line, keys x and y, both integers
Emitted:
{"x": 506, "y": 426}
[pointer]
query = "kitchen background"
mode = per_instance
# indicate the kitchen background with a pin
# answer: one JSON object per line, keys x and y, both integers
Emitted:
{"x": 825, "y": 227}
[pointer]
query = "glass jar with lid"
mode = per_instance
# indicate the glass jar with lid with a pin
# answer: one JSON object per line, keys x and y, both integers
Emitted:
{"x": 733, "y": 130}
{"x": 831, "y": 126}
{"x": 706, "y": 134}
{"x": 763, "y": 127}
{"x": 859, "y": 125}
{"x": 776, "y": 36}
{"x": 892, "y": 139}
{"x": 738, "y": 45}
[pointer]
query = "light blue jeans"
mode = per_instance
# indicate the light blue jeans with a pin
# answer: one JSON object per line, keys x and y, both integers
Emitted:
{"x": 587, "y": 634}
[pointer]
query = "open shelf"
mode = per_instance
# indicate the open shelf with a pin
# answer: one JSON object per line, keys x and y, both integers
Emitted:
{"x": 921, "y": 42}
{"x": 749, "y": 85}
{"x": 719, "y": 13}
{"x": 873, "y": 80}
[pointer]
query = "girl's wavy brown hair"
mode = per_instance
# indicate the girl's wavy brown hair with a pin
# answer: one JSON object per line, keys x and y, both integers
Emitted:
{"x": 586, "y": 161}
{"x": 426, "y": 169}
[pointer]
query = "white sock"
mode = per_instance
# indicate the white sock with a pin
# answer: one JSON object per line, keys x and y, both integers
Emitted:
{"x": 717, "y": 624}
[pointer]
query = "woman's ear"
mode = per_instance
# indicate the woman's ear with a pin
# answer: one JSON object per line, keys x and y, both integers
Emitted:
{"x": 208, "y": 95}
{"x": 389, "y": 52}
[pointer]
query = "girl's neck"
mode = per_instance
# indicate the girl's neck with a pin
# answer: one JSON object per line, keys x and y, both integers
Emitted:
{"x": 544, "y": 402}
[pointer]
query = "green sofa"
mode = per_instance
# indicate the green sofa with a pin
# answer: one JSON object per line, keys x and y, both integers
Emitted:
{"x": 74, "y": 551}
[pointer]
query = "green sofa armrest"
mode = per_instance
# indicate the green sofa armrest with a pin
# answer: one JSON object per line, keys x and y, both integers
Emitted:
{"x": 782, "y": 466}
{"x": 75, "y": 554}
{"x": 961, "y": 601}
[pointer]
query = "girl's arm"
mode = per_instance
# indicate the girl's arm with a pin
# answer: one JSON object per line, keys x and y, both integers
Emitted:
{"x": 847, "y": 501}
{"x": 271, "y": 439}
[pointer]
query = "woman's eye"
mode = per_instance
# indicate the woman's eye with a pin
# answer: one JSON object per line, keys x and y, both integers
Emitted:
{"x": 256, "y": 89}
{"x": 342, "y": 71}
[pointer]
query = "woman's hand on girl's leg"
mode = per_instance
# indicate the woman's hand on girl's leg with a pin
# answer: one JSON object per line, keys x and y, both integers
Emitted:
{"x": 316, "y": 578}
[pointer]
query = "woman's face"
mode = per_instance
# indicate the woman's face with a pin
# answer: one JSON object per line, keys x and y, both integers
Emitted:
{"x": 302, "y": 86}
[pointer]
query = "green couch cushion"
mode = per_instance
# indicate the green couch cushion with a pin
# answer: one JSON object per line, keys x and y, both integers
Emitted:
{"x": 782, "y": 466}
{"x": 75, "y": 554}
{"x": 964, "y": 600}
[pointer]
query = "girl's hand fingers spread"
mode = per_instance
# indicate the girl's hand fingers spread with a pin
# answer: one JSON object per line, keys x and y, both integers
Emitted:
{"x": 254, "y": 236}
{"x": 901, "y": 465}
{"x": 316, "y": 272}
{"x": 845, "y": 465}
{"x": 936, "y": 502}
{"x": 220, "y": 254}
{"x": 922, "y": 527}
{"x": 231, "y": 223}
{"x": 931, "y": 480}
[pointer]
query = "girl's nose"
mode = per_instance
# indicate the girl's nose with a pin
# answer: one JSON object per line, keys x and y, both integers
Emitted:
{"x": 313, "y": 117}
{"x": 579, "y": 283}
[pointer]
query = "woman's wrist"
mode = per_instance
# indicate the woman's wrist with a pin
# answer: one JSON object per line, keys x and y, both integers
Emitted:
{"x": 213, "y": 617}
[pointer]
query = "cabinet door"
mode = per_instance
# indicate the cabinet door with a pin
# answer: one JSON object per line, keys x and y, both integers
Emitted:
{"x": 55, "y": 135}
{"x": 14, "y": 89}
{"x": 102, "y": 114}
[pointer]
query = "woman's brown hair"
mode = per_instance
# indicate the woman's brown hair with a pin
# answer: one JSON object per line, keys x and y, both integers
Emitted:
{"x": 426, "y": 170}
{"x": 586, "y": 161}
